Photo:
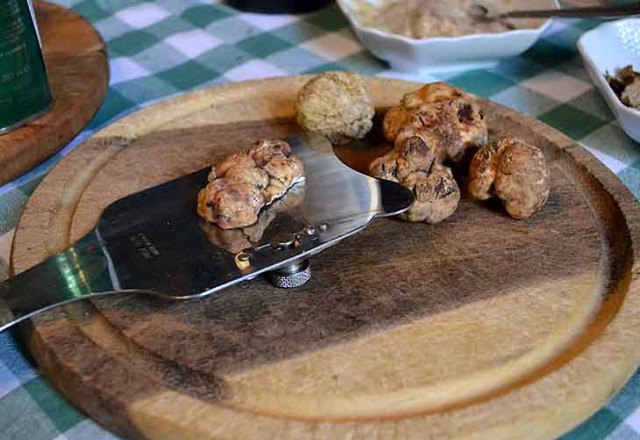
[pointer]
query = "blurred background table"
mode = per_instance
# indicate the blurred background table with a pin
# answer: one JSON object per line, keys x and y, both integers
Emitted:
{"x": 160, "y": 49}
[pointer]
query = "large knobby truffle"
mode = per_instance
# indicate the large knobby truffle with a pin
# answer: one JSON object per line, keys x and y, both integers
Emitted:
{"x": 453, "y": 114}
{"x": 515, "y": 172}
{"x": 435, "y": 124}
{"x": 336, "y": 105}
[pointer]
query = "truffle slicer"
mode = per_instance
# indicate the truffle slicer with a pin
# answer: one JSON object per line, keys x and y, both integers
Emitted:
{"x": 154, "y": 242}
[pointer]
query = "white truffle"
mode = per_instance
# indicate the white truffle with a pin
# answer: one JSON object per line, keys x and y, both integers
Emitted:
{"x": 336, "y": 105}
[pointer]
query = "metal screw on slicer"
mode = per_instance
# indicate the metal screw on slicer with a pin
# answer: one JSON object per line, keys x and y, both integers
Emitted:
{"x": 290, "y": 276}
{"x": 24, "y": 90}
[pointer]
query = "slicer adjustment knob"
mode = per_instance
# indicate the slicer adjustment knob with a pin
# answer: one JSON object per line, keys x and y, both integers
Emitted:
{"x": 292, "y": 275}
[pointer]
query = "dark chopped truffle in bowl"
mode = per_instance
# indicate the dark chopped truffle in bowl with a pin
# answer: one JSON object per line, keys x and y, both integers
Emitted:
{"x": 626, "y": 85}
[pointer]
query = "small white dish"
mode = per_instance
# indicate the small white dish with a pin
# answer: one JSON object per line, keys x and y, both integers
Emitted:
{"x": 445, "y": 53}
{"x": 608, "y": 48}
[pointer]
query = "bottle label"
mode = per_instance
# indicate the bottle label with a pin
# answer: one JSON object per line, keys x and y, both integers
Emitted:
{"x": 24, "y": 90}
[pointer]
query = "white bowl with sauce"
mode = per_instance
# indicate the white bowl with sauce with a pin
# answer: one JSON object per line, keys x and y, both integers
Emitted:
{"x": 435, "y": 53}
{"x": 610, "y": 47}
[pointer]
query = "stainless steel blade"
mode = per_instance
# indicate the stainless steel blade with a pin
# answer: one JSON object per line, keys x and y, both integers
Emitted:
{"x": 154, "y": 242}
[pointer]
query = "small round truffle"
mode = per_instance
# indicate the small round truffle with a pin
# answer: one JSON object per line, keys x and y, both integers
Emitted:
{"x": 514, "y": 171}
{"x": 336, "y": 105}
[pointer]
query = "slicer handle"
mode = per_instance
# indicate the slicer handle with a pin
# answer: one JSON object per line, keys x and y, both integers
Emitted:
{"x": 78, "y": 272}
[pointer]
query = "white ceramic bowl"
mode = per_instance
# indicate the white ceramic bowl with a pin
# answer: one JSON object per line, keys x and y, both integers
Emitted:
{"x": 443, "y": 53}
{"x": 609, "y": 47}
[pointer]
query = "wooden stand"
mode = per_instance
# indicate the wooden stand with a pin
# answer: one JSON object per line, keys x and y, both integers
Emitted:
{"x": 78, "y": 74}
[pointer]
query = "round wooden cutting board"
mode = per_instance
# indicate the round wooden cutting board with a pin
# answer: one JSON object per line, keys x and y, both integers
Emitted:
{"x": 479, "y": 327}
{"x": 78, "y": 74}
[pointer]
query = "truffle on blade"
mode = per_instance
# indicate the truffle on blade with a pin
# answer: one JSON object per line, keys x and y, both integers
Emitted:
{"x": 243, "y": 183}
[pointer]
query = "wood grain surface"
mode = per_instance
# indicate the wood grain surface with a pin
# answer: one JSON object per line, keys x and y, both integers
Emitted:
{"x": 479, "y": 327}
{"x": 78, "y": 73}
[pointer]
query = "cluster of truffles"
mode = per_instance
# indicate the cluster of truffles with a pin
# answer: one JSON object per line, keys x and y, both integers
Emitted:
{"x": 433, "y": 125}
{"x": 433, "y": 128}
{"x": 243, "y": 183}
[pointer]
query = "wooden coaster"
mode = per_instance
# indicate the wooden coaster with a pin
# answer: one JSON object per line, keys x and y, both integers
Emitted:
{"x": 478, "y": 327}
{"x": 78, "y": 73}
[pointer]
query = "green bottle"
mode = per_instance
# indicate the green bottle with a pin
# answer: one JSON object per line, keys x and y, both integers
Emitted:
{"x": 24, "y": 90}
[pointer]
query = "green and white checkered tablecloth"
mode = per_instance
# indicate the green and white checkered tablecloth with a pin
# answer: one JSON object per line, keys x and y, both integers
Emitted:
{"x": 164, "y": 48}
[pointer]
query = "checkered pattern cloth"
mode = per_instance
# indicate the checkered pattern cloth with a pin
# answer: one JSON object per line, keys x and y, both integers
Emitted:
{"x": 164, "y": 48}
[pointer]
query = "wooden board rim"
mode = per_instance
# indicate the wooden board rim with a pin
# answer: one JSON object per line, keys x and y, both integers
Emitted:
{"x": 78, "y": 81}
